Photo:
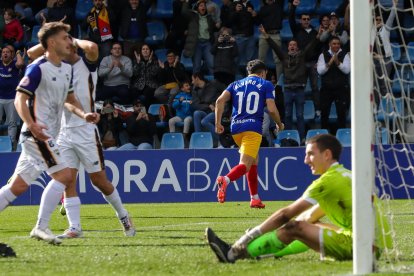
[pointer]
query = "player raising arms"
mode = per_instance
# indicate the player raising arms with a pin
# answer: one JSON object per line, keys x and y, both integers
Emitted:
{"x": 249, "y": 97}
{"x": 40, "y": 99}
{"x": 330, "y": 195}
{"x": 79, "y": 141}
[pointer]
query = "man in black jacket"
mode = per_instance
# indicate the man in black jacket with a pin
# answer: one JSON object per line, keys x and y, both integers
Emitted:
{"x": 295, "y": 77}
{"x": 141, "y": 129}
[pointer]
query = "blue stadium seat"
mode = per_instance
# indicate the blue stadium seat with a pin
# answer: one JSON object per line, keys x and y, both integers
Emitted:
{"x": 390, "y": 108}
{"x": 172, "y": 141}
{"x": 34, "y": 40}
{"x": 154, "y": 110}
{"x": 291, "y": 134}
{"x": 5, "y": 144}
{"x": 344, "y": 136}
{"x": 410, "y": 52}
{"x": 156, "y": 33}
{"x": 333, "y": 117}
{"x": 163, "y": 9}
{"x": 82, "y": 9}
{"x": 256, "y": 4}
{"x": 396, "y": 52}
{"x": 286, "y": 32}
{"x": 315, "y": 23}
{"x": 314, "y": 132}
{"x": 218, "y": 2}
{"x": 328, "y": 6}
{"x": 201, "y": 140}
{"x": 306, "y": 6}
{"x": 382, "y": 136}
{"x": 187, "y": 62}
{"x": 161, "y": 54}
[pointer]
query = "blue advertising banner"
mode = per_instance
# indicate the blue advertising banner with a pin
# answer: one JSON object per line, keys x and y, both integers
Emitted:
{"x": 188, "y": 175}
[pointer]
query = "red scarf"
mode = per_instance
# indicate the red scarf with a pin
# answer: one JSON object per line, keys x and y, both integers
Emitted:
{"x": 102, "y": 22}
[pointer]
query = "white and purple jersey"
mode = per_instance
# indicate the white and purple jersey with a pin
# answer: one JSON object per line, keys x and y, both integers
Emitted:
{"x": 249, "y": 97}
{"x": 85, "y": 77}
{"x": 48, "y": 86}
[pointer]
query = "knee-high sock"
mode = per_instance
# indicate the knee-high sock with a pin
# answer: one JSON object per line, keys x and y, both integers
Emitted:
{"x": 252, "y": 181}
{"x": 6, "y": 197}
{"x": 72, "y": 206}
{"x": 294, "y": 247}
{"x": 116, "y": 203}
{"x": 236, "y": 172}
{"x": 266, "y": 244}
{"x": 50, "y": 199}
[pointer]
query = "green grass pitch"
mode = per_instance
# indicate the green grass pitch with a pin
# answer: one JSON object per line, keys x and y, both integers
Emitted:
{"x": 169, "y": 241}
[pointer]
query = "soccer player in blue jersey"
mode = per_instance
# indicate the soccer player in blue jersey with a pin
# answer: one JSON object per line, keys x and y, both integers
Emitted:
{"x": 328, "y": 196}
{"x": 249, "y": 97}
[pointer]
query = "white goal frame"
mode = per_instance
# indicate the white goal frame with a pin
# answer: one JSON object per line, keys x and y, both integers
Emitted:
{"x": 362, "y": 138}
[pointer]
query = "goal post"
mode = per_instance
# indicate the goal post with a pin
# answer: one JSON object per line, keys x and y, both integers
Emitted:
{"x": 362, "y": 138}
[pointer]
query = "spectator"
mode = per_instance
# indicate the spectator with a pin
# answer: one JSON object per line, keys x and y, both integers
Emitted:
{"x": 61, "y": 11}
{"x": 110, "y": 126}
{"x": 116, "y": 71}
{"x": 304, "y": 33}
{"x": 295, "y": 77}
{"x": 24, "y": 11}
{"x": 243, "y": 29}
{"x": 214, "y": 10}
{"x": 2, "y": 25}
{"x": 204, "y": 98}
{"x": 334, "y": 67}
{"x": 13, "y": 30}
{"x": 145, "y": 72}
{"x": 382, "y": 51}
{"x": 100, "y": 27}
{"x": 225, "y": 53}
{"x": 9, "y": 79}
{"x": 182, "y": 106}
{"x": 176, "y": 36}
{"x": 141, "y": 129}
{"x": 200, "y": 36}
{"x": 133, "y": 25}
{"x": 225, "y": 13}
{"x": 270, "y": 16}
{"x": 335, "y": 29}
{"x": 171, "y": 73}
{"x": 39, "y": 17}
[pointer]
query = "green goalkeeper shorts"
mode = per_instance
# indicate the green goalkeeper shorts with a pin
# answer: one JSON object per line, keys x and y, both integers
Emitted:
{"x": 337, "y": 245}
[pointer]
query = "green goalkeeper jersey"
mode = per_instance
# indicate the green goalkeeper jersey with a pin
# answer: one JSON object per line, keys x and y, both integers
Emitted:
{"x": 333, "y": 191}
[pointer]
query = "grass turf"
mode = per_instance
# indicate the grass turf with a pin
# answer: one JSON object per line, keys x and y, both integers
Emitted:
{"x": 170, "y": 241}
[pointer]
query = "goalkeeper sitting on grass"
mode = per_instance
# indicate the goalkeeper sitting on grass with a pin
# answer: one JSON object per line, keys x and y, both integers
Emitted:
{"x": 330, "y": 195}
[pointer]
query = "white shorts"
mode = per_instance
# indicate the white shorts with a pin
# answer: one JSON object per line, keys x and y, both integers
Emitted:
{"x": 82, "y": 144}
{"x": 38, "y": 156}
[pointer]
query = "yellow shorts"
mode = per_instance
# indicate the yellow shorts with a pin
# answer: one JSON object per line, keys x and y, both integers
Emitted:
{"x": 248, "y": 142}
{"x": 336, "y": 244}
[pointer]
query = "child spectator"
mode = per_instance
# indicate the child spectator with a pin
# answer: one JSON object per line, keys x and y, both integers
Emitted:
{"x": 182, "y": 106}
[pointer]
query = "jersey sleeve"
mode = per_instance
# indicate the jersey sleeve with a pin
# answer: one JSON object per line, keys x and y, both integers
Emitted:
{"x": 31, "y": 80}
{"x": 269, "y": 90}
{"x": 91, "y": 65}
{"x": 316, "y": 191}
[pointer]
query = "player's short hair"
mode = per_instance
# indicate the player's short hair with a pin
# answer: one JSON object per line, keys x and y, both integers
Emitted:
{"x": 51, "y": 29}
{"x": 327, "y": 141}
{"x": 255, "y": 66}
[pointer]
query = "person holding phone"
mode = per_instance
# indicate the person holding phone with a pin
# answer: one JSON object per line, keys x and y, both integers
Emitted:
{"x": 141, "y": 129}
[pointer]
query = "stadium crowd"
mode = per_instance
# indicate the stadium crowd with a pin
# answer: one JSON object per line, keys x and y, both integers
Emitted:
{"x": 202, "y": 46}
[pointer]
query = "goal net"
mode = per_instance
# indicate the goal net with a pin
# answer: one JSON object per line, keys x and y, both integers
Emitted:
{"x": 392, "y": 46}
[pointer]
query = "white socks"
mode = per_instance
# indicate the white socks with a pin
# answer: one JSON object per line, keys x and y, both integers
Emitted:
{"x": 6, "y": 197}
{"x": 116, "y": 203}
{"x": 72, "y": 206}
{"x": 50, "y": 199}
{"x": 256, "y": 196}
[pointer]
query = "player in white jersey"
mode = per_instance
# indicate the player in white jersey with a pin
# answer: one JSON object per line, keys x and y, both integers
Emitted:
{"x": 41, "y": 96}
{"x": 79, "y": 140}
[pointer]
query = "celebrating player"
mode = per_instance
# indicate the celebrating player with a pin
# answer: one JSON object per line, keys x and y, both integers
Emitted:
{"x": 330, "y": 195}
{"x": 249, "y": 97}
{"x": 79, "y": 140}
{"x": 40, "y": 99}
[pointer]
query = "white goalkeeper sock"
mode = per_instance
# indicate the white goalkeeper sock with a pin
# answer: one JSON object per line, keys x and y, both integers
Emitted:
{"x": 116, "y": 203}
{"x": 6, "y": 197}
{"x": 72, "y": 206}
{"x": 50, "y": 199}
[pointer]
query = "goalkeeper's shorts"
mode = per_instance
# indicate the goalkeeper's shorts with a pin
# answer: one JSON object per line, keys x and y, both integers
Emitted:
{"x": 337, "y": 245}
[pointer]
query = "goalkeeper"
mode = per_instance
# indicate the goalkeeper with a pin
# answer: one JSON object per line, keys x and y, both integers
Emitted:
{"x": 330, "y": 195}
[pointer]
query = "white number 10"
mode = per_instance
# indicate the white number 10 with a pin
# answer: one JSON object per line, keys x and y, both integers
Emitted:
{"x": 252, "y": 102}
